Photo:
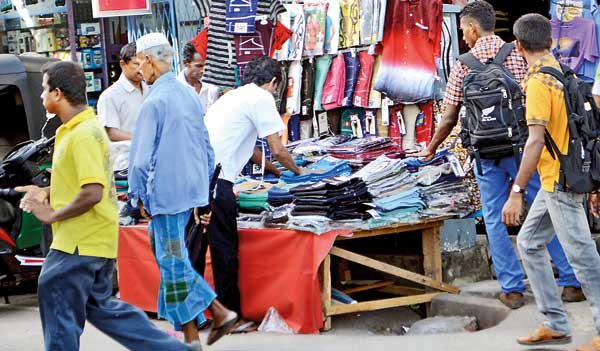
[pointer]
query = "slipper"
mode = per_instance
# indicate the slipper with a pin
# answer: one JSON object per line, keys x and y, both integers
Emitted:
{"x": 217, "y": 333}
{"x": 544, "y": 336}
{"x": 245, "y": 328}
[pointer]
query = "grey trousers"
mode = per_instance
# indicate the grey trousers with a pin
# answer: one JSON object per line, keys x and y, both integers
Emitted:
{"x": 563, "y": 213}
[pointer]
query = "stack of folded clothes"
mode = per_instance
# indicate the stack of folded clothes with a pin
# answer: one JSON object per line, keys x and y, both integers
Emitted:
{"x": 326, "y": 167}
{"x": 315, "y": 147}
{"x": 448, "y": 198}
{"x": 386, "y": 176}
{"x": 414, "y": 163}
{"x": 362, "y": 151}
{"x": 252, "y": 202}
{"x": 337, "y": 198}
{"x": 279, "y": 196}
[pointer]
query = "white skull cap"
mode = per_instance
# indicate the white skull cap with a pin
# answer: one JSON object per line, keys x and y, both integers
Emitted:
{"x": 150, "y": 40}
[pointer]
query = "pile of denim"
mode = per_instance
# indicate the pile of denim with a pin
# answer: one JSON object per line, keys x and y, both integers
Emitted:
{"x": 448, "y": 198}
{"x": 386, "y": 176}
{"x": 326, "y": 167}
{"x": 338, "y": 198}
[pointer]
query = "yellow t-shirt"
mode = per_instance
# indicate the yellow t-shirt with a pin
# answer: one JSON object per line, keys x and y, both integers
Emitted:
{"x": 82, "y": 156}
{"x": 545, "y": 105}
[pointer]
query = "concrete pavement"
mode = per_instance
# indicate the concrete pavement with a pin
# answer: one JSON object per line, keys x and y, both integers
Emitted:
{"x": 20, "y": 330}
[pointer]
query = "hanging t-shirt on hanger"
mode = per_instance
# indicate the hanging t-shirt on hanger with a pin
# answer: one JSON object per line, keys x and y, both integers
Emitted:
{"x": 333, "y": 89}
{"x": 574, "y": 41}
{"x": 298, "y": 28}
{"x": 322, "y": 69}
{"x": 249, "y": 46}
{"x": 411, "y": 41}
{"x": 352, "y": 68}
{"x": 367, "y": 16}
{"x": 332, "y": 27}
{"x": 308, "y": 88}
{"x": 315, "y": 14}
{"x": 239, "y": 18}
{"x": 349, "y": 23}
{"x": 221, "y": 60}
{"x": 363, "y": 83}
{"x": 293, "y": 90}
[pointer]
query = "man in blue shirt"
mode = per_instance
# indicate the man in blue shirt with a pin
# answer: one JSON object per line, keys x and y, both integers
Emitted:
{"x": 170, "y": 162}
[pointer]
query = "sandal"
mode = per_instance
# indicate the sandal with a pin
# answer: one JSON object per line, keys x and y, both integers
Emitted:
{"x": 217, "y": 333}
{"x": 243, "y": 328}
{"x": 545, "y": 336}
{"x": 593, "y": 345}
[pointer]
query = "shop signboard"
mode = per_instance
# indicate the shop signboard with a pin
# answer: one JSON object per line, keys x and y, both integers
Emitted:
{"x": 112, "y": 8}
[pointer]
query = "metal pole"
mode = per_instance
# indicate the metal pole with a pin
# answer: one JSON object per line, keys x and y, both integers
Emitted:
{"x": 71, "y": 28}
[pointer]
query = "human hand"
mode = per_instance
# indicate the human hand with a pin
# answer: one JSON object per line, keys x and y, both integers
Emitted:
{"x": 40, "y": 209}
{"x": 203, "y": 219}
{"x": 594, "y": 204}
{"x": 143, "y": 210}
{"x": 33, "y": 192}
{"x": 511, "y": 213}
{"x": 302, "y": 170}
{"x": 426, "y": 154}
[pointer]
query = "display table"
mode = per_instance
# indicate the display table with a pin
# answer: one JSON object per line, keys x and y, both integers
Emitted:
{"x": 280, "y": 268}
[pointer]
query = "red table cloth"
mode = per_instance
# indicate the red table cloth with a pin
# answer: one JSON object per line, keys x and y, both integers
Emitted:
{"x": 278, "y": 268}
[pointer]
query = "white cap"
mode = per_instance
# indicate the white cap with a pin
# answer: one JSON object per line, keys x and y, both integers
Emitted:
{"x": 150, "y": 40}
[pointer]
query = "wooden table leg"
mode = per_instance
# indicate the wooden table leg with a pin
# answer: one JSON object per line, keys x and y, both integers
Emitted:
{"x": 326, "y": 292}
{"x": 432, "y": 257}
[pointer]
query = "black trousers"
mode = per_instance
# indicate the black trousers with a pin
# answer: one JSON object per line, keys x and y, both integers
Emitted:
{"x": 224, "y": 246}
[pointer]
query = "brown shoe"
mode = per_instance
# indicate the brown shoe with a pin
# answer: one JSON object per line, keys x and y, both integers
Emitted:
{"x": 545, "y": 336}
{"x": 572, "y": 294}
{"x": 512, "y": 300}
{"x": 593, "y": 345}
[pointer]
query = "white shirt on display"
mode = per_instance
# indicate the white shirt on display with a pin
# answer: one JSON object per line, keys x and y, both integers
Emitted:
{"x": 235, "y": 121}
{"x": 118, "y": 106}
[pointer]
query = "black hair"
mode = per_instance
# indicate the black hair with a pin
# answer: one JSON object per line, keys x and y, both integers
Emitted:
{"x": 261, "y": 70}
{"x": 188, "y": 53}
{"x": 69, "y": 78}
{"x": 482, "y": 12}
{"x": 534, "y": 32}
{"x": 128, "y": 52}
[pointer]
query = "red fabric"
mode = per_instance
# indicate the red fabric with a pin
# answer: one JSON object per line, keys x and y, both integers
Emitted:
{"x": 335, "y": 83}
{"x": 200, "y": 42}
{"x": 395, "y": 130}
{"x": 281, "y": 34}
{"x": 363, "y": 83}
{"x": 425, "y": 131}
{"x": 278, "y": 268}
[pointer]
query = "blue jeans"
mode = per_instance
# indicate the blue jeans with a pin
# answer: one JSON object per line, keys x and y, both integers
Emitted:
{"x": 563, "y": 212}
{"x": 74, "y": 288}
{"x": 494, "y": 189}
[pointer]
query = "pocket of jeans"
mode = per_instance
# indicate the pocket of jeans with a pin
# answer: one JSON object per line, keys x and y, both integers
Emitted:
{"x": 575, "y": 197}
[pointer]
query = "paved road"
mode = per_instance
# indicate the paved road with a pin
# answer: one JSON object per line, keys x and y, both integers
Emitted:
{"x": 20, "y": 330}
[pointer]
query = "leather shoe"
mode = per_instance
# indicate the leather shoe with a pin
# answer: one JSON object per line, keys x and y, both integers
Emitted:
{"x": 513, "y": 300}
{"x": 572, "y": 294}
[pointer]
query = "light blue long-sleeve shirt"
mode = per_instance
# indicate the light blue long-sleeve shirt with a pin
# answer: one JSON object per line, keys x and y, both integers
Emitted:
{"x": 171, "y": 158}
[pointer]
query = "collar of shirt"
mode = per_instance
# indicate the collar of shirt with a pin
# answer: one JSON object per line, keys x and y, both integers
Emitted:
{"x": 84, "y": 115}
{"x": 162, "y": 80}
{"x": 546, "y": 60}
{"x": 487, "y": 46}
{"x": 129, "y": 87}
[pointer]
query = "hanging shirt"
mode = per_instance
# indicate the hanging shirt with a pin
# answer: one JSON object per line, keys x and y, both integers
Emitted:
{"x": 574, "y": 41}
{"x": 307, "y": 89}
{"x": 281, "y": 34}
{"x": 171, "y": 124}
{"x": 321, "y": 71}
{"x": 315, "y": 14}
{"x": 349, "y": 23}
{"x": 582, "y": 8}
{"x": 293, "y": 90}
{"x": 250, "y": 46}
{"x": 333, "y": 89}
{"x": 298, "y": 28}
{"x": 235, "y": 121}
{"x": 118, "y": 105}
{"x": 363, "y": 83}
{"x": 367, "y": 16}
{"x": 332, "y": 27}
{"x": 240, "y": 16}
{"x": 221, "y": 61}
{"x": 374, "y": 95}
{"x": 379, "y": 7}
{"x": 411, "y": 41}
{"x": 352, "y": 64}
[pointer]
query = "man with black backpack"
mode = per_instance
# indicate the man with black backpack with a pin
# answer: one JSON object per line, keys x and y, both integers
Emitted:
{"x": 563, "y": 130}
{"x": 486, "y": 81}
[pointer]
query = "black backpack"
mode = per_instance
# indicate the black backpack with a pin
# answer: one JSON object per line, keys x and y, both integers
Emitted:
{"x": 494, "y": 125}
{"x": 580, "y": 167}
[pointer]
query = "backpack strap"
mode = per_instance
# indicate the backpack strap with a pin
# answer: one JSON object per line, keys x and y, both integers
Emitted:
{"x": 503, "y": 53}
{"x": 554, "y": 73}
{"x": 471, "y": 61}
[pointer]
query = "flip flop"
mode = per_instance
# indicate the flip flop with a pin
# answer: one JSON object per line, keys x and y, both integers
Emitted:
{"x": 242, "y": 329}
{"x": 217, "y": 333}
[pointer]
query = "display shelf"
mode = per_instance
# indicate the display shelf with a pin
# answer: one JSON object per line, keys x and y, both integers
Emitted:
{"x": 55, "y": 25}
{"x": 15, "y": 14}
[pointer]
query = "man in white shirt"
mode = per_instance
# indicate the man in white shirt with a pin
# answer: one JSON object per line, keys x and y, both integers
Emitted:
{"x": 233, "y": 123}
{"x": 118, "y": 105}
{"x": 191, "y": 75}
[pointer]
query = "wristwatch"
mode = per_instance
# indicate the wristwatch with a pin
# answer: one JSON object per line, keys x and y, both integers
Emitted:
{"x": 517, "y": 189}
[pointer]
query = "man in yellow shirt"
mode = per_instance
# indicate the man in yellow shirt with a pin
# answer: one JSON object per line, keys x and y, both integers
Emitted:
{"x": 76, "y": 279}
{"x": 555, "y": 207}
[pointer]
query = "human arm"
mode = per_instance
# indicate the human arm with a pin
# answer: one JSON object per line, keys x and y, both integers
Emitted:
{"x": 269, "y": 166}
{"x": 116, "y": 134}
{"x": 444, "y": 129}
{"x": 282, "y": 155}
{"x": 511, "y": 213}
{"x": 85, "y": 200}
